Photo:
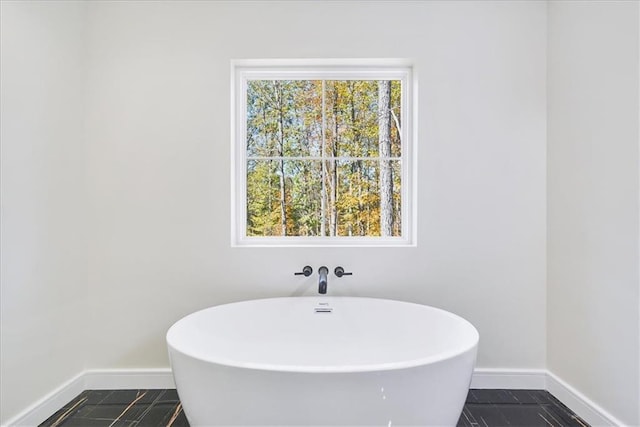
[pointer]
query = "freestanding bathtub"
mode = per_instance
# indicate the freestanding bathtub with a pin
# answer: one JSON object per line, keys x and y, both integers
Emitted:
{"x": 322, "y": 361}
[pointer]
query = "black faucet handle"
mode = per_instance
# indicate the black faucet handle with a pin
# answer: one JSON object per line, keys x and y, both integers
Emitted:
{"x": 306, "y": 271}
{"x": 339, "y": 271}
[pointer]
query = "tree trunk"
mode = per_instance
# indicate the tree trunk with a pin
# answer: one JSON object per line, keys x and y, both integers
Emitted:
{"x": 384, "y": 147}
{"x": 333, "y": 196}
{"x": 283, "y": 202}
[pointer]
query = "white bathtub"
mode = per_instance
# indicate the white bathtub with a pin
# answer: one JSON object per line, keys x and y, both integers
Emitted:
{"x": 322, "y": 361}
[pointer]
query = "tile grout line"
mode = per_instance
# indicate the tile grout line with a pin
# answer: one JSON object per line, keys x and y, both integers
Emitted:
{"x": 62, "y": 417}
{"x": 128, "y": 407}
{"x": 150, "y": 407}
{"x": 175, "y": 415}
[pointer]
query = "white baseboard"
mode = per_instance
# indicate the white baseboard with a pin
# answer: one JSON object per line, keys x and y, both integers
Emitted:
{"x": 513, "y": 379}
{"x": 122, "y": 379}
{"x": 49, "y": 404}
{"x": 579, "y": 403}
{"x": 94, "y": 379}
{"x": 483, "y": 378}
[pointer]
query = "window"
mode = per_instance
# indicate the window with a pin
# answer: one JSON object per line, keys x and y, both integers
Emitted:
{"x": 323, "y": 153}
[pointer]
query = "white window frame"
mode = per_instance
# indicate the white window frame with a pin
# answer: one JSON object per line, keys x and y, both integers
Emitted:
{"x": 327, "y": 69}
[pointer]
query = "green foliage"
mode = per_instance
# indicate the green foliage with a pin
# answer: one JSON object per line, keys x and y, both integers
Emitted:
{"x": 314, "y": 171}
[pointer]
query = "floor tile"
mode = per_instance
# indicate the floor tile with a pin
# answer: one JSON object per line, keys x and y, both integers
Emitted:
{"x": 128, "y": 396}
{"x": 486, "y": 415}
{"x": 116, "y": 412}
{"x": 95, "y": 396}
{"x": 162, "y": 408}
{"x": 491, "y": 396}
{"x": 180, "y": 420}
{"x": 170, "y": 395}
{"x": 527, "y": 416}
{"x": 87, "y": 422}
{"x": 467, "y": 419}
{"x": 158, "y": 415}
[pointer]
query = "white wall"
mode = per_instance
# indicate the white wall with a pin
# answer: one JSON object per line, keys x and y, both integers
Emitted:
{"x": 43, "y": 261}
{"x": 593, "y": 135}
{"x": 120, "y": 226}
{"x": 115, "y": 179}
{"x": 159, "y": 168}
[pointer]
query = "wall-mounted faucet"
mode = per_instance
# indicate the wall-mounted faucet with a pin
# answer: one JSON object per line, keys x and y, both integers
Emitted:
{"x": 322, "y": 280}
{"x": 323, "y": 272}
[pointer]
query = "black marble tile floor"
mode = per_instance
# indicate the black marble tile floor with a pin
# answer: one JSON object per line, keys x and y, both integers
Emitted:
{"x": 121, "y": 408}
{"x": 520, "y": 408}
{"x": 162, "y": 408}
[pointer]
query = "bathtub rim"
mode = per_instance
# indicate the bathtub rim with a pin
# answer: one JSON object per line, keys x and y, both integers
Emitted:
{"x": 338, "y": 369}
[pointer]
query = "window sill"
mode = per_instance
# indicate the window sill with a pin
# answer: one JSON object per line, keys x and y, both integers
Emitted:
{"x": 315, "y": 242}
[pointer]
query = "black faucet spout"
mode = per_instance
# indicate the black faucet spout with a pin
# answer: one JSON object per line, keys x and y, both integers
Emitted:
{"x": 322, "y": 281}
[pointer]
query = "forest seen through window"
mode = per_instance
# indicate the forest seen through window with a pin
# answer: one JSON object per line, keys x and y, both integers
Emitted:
{"x": 323, "y": 158}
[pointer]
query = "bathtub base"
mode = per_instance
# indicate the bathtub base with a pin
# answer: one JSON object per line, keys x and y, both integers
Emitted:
{"x": 217, "y": 395}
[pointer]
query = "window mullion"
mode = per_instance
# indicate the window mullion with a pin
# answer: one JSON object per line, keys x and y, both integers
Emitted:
{"x": 316, "y": 158}
{"x": 323, "y": 199}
